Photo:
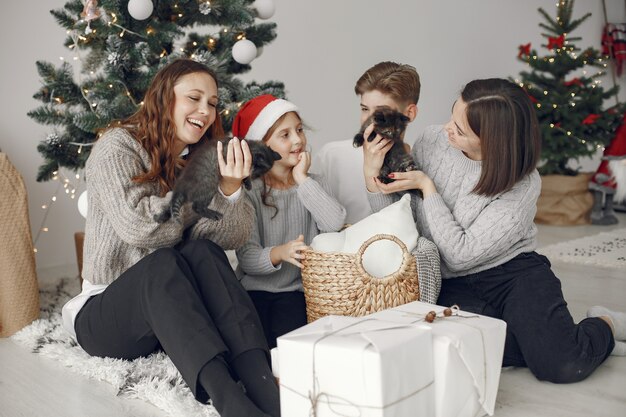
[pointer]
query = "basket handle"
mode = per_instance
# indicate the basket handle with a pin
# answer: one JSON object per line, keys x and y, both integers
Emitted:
{"x": 406, "y": 256}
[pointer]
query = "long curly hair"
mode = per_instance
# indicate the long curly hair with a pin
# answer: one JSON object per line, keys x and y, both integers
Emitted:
{"x": 153, "y": 124}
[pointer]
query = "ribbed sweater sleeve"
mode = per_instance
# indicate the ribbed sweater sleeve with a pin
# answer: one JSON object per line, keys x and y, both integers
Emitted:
{"x": 235, "y": 226}
{"x": 316, "y": 195}
{"x": 473, "y": 233}
{"x": 497, "y": 233}
{"x": 120, "y": 228}
{"x": 129, "y": 206}
{"x": 300, "y": 211}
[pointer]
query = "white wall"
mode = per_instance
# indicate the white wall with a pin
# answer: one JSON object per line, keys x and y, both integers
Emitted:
{"x": 322, "y": 47}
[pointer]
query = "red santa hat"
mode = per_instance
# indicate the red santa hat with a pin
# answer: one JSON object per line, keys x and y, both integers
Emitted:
{"x": 258, "y": 115}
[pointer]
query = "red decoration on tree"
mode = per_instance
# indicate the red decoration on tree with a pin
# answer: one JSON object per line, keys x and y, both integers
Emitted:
{"x": 573, "y": 81}
{"x": 556, "y": 42}
{"x": 591, "y": 119}
{"x": 524, "y": 50}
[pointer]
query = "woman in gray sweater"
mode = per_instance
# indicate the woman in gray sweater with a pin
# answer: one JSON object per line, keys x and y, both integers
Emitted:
{"x": 150, "y": 286}
{"x": 480, "y": 186}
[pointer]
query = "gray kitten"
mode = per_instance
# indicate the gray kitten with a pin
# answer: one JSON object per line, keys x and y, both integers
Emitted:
{"x": 199, "y": 179}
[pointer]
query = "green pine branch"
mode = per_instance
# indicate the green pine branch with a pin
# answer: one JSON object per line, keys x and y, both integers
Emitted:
{"x": 571, "y": 106}
{"x": 119, "y": 56}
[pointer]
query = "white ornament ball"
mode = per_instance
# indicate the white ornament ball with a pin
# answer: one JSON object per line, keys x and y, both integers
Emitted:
{"x": 244, "y": 51}
{"x": 264, "y": 8}
{"x": 82, "y": 204}
{"x": 140, "y": 9}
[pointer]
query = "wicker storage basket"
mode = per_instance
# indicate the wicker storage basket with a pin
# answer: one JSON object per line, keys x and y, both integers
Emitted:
{"x": 19, "y": 290}
{"x": 336, "y": 283}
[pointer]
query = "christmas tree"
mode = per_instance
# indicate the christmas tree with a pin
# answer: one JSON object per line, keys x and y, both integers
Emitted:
{"x": 120, "y": 46}
{"x": 566, "y": 90}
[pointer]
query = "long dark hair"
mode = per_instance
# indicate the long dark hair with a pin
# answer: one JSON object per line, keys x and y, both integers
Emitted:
{"x": 500, "y": 113}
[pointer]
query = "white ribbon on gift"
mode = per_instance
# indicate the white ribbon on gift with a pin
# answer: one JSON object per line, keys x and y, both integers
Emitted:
{"x": 485, "y": 373}
{"x": 314, "y": 396}
{"x": 471, "y": 369}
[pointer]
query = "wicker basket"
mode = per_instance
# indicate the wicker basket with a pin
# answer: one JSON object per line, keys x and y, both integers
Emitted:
{"x": 336, "y": 283}
{"x": 19, "y": 289}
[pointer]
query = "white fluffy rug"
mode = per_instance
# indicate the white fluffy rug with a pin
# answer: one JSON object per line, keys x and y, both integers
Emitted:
{"x": 153, "y": 379}
{"x": 607, "y": 249}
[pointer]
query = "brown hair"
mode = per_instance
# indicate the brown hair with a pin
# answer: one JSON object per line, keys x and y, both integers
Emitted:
{"x": 500, "y": 113}
{"x": 400, "y": 81}
{"x": 153, "y": 124}
{"x": 265, "y": 193}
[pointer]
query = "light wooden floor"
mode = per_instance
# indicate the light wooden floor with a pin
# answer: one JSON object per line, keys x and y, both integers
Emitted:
{"x": 33, "y": 386}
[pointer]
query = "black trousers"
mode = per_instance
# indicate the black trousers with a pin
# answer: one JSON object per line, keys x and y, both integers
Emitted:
{"x": 541, "y": 333}
{"x": 186, "y": 301}
{"x": 280, "y": 312}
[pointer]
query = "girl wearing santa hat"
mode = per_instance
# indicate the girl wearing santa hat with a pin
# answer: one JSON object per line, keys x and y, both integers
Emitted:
{"x": 291, "y": 208}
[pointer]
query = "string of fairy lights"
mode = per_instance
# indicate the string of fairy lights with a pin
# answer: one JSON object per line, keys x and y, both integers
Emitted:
{"x": 83, "y": 32}
{"x": 570, "y": 50}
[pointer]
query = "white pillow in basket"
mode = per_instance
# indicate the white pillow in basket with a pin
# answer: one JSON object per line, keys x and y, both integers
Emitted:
{"x": 382, "y": 257}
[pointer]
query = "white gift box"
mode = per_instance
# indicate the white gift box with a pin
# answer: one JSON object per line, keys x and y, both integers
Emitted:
{"x": 346, "y": 366}
{"x": 467, "y": 353}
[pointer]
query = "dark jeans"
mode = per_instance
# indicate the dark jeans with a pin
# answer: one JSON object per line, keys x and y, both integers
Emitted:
{"x": 280, "y": 312}
{"x": 541, "y": 334}
{"x": 186, "y": 301}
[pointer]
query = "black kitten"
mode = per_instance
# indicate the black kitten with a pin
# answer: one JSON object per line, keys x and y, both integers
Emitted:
{"x": 200, "y": 178}
{"x": 389, "y": 124}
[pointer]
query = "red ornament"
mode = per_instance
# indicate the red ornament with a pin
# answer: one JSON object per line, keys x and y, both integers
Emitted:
{"x": 524, "y": 50}
{"x": 556, "y": 42}
{"x": 573, "y": 81}
{"x": 591, "y": 119}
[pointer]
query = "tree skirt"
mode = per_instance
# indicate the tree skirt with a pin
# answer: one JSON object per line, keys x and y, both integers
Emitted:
{"x": 607, "y": 249}
{"x": 154, "y": 378}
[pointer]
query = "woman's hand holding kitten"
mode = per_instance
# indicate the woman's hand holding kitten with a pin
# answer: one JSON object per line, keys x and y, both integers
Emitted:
{"x": 235, "y": 167}
{"x": 405, "y": 181}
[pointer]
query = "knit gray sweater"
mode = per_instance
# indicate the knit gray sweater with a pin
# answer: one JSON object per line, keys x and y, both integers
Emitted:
{"x": 120, "y": 229}
{"x": 307, "y": 209}
{"x": 473, "y": 233}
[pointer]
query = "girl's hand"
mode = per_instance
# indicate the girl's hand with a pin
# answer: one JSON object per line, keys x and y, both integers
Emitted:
{"x": 301, "y": 170}
{"x": 289, "y": 252}
{"x": 236, "y": 167}
{"x": 373, "y": 156}
{"x": 412, "y": 180}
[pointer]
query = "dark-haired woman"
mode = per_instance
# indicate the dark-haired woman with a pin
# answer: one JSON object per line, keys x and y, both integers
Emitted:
{"x": 480, "y": 186}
